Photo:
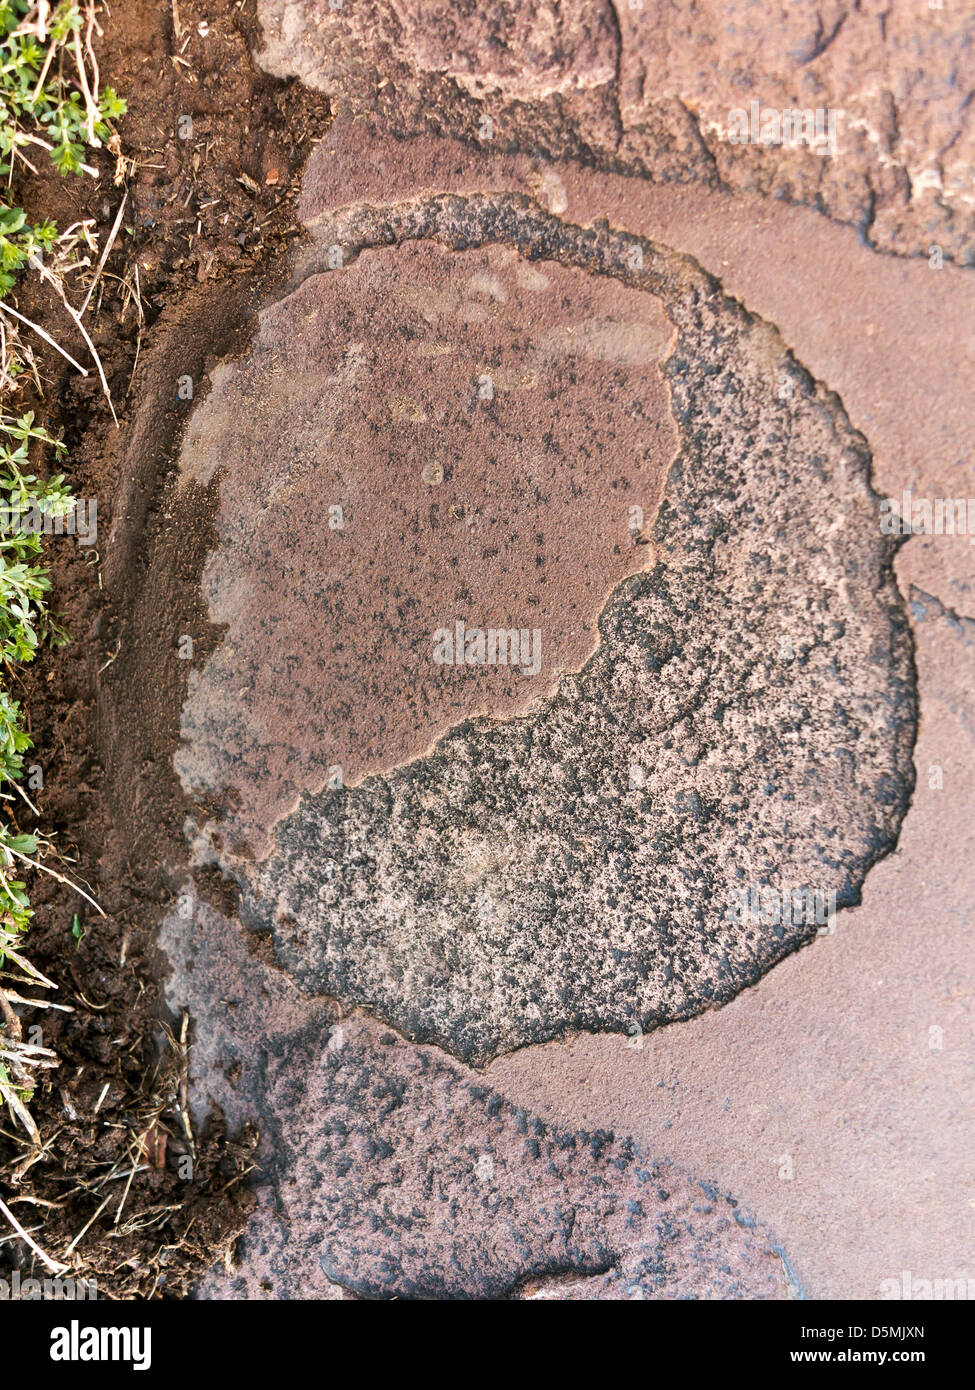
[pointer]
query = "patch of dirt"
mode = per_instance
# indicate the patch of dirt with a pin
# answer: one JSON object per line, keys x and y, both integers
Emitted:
{"x": 209, "y": 157}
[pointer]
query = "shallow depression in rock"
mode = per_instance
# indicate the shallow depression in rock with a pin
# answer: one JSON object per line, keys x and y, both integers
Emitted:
{"x": 419, "y": 446}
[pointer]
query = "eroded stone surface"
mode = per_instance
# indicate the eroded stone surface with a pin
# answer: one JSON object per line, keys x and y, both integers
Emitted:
{"x": 419, "y": 439}
{"x": 650, "y": 87}
{"x": 830, "y": 1098}
{"x": 388, "y": 1172}
{"x": 830, "y": 1062}
{"x": 575, "y": 868}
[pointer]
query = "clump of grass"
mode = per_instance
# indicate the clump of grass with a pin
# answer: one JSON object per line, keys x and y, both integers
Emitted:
{"x": 51, "y": 101}
{"x": 25, "y": 623}
{"x": 47, "y": 83}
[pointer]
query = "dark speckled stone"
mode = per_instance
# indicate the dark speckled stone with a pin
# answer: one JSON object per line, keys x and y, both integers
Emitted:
{"x": 389, "y": 1171}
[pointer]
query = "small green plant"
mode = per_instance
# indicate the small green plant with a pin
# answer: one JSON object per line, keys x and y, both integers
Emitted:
{"x": 45, "y": 84}
{"x": 18, "y": 242}
{"x": 24, "y": 622}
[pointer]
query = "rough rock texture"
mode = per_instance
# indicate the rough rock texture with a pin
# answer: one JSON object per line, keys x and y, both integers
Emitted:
{"x": 649, "y": 86}
{"x": 577, "y": 868}
{"x": 747, "y": 719}
{"x": 420, "y": 439}
{"x": 389, "y": 1172}
{"x": 892, "y": 337}
{"x": 834, "y": 1097}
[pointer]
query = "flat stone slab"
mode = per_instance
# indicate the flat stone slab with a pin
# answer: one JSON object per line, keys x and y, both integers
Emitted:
{"x": 557, "y": 345}
{"x": 857, "y": 110}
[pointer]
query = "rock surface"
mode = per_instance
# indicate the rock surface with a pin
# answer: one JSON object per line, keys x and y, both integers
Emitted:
{"x": 830, "y": 1099}
{"x": 650, "y": 87}
{"x": 580, "y": 867}
{"x": 421, "y": 439}
{"x": 390, "y": 1172}
{"x": 565, "y": 856}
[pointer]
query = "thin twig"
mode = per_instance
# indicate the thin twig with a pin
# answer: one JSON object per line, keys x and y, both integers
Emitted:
{"x": 125, "y": 1196}
{"x": 44, "y": 71}
{"x": 85, "y": 1228}
{"x": 8, "y": 309}
{"x": 46, "y": 145}
{"x": 92, "y": 113}
{"x": 104, "y": 256}
{"x": 18, "y": 959}
{"x": 52, "y": 1265}
{"x": 60, "y": 877}
{"x": 9, "y": 1017}
{"x": 19, "y": 789}
{"x": 20, "y": 1112}
{"x": 39, "y": 1003}
{"x": 36, "y": 262}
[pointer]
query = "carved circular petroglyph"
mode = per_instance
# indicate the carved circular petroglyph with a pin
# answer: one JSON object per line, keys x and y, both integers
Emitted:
{"x": 692, "y": 804}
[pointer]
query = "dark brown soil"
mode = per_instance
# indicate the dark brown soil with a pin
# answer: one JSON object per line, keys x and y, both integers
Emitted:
{"x": 206, "y": 226}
